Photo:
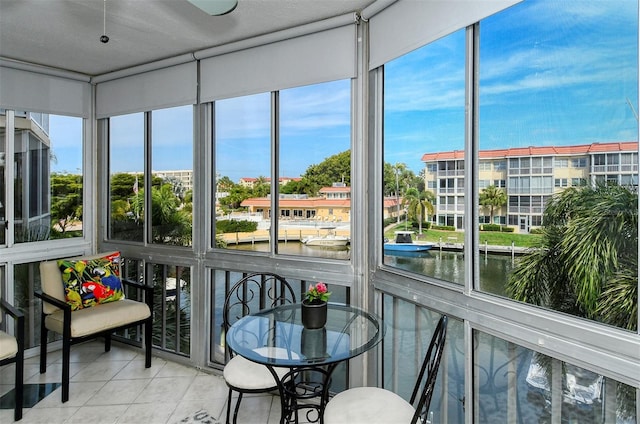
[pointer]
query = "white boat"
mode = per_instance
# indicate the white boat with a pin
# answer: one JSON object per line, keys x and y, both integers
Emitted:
{"x": 171, "y": 287}
{"x": 403, "y": 242}
{"x": 330, "y": 239}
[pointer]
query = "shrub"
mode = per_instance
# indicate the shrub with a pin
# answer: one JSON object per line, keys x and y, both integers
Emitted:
{"x": 489, "y": 227}
{"x": 444, "y": 227}
{"x": 425, "y": 225}
{"x": 231, "y": 226}
{"x": 507, "y": 229}
{"x": 390, "y": 220}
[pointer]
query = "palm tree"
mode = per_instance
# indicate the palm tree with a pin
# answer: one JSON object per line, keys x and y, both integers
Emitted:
{"x": 398, "y": 169}
{"x": 261, "y": 187}
{"x": 170, "y": 224}
{"x": 493, "y": 197}
{"x": 417, "y": 203}
{"x": 587, "y": 262}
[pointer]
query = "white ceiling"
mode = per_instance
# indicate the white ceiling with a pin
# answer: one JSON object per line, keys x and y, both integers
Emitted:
{"x": 65, "y": 34}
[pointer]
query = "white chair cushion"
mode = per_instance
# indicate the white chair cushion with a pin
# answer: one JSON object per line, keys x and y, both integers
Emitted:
{"x": 242, "y": 373}
{"x": 368, "y": 405}
{"x": 8, "y": 346}
{"x": 100, "y": 317}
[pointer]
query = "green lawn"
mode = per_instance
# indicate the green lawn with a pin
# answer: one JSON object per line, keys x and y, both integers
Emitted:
{"x": 490, "y": 237}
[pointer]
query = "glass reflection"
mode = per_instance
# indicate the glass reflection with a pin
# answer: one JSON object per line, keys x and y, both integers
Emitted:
{"x": 424, "y": 116}
{"x": 517, "y": 385}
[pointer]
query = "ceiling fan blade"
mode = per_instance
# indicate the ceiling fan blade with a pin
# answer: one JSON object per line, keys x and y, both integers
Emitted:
{"x": 215, "y": 7}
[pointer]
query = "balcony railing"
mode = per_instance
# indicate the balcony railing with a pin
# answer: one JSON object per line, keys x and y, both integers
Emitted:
{"x": 510, "y": 383}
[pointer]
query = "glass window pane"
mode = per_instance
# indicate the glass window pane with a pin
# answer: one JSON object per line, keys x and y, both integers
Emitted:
{"x": 243, "y": 171}
{"x": 543, "y": 92}
{"x": 517, "y": 385}
{"x": 126, "y": 177}
{"x": 48, "y": 176}
{"x": 314, "y": 206}
{"x": 409, "y": 331}
{"x": 66, "y": 176}
{"x": 26, "y": 279}
{"x": 424, "y": 144}
{"x": 172, "y": 187}
{"x": 172, "y": 307}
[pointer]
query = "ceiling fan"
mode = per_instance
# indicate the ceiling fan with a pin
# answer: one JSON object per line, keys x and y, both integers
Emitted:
{"x": 215, "y": 7}
{"x": 212, "y": 7}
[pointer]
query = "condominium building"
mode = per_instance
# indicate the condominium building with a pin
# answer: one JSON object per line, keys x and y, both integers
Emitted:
{"x": 184, "y": 177}
{"x": 31, "y": 164}
{"x": 529, "y": 176}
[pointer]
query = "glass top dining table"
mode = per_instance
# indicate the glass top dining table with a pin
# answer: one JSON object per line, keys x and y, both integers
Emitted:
{"x": 277, "y": 337}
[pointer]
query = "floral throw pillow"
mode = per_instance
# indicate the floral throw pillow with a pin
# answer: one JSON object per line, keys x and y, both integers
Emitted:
{"x": 89, "y": 282}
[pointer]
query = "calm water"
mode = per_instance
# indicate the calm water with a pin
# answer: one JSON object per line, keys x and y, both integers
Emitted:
{"x": 443, "y": 265}
{"x": 449, "y": 266}
{"x": 298, "y": 249}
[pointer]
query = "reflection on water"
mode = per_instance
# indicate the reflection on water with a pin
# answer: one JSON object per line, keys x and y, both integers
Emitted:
{"x": 298, "y": 249}
{"x": 449, "y": 266}
{"x": 443, "y": 265}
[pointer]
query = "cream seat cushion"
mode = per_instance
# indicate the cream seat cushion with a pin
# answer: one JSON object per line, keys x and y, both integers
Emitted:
{"x": 243, "y": 373}
{"x": 368, "y": 405}
{"x": 99, "y": 318}
{"x": 8, "y": 346}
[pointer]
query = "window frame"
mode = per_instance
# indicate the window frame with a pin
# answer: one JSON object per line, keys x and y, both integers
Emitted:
{"x": 546, "y": 331}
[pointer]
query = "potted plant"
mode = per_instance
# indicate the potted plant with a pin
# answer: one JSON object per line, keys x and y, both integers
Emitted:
{"x": 314, "y": 306}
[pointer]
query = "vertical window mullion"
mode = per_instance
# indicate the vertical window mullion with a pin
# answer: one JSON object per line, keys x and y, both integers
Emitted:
{"x": 275, "y": 171}
{"x": 148, "y": 213}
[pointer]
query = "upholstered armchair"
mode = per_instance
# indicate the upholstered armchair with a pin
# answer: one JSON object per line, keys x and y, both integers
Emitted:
{"x": 83, "y": 298}
{"x": 12, "y": 351}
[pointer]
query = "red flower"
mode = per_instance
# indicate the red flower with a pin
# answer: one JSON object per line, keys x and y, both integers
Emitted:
{"x": 319, "y": 293}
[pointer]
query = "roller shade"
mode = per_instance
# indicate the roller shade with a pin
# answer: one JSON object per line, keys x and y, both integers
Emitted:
{"x": 32, "y": 91}
{"x": 314, "y": 58}
{"x": 157, "y": 89}
{"x": 409, "y": 24}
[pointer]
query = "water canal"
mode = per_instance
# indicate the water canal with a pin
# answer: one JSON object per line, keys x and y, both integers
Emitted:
{"x": 440, "y": 264}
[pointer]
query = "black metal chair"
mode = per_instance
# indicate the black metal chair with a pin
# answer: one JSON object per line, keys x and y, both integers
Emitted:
{"x": 12, "y": 351}
{"x": 371, "y": 405}
{"x": 85, "y": 324}
{"x": 252, "y": 293}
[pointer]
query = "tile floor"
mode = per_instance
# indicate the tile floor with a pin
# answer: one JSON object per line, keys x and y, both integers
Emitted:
{"x": 115, "y": 387}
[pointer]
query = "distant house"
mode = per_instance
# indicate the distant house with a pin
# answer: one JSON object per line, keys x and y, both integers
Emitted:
{"x": 333, "y": 205}
{"x": 336, "y": 191}
{"x": 390, "y": 207}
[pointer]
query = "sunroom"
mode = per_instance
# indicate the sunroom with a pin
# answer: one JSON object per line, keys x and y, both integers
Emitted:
{"x": 503, "y": 134}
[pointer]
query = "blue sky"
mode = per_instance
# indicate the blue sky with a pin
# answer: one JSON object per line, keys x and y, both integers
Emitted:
{"x": 551, "y": 73}
{"x": 314, "y": 124}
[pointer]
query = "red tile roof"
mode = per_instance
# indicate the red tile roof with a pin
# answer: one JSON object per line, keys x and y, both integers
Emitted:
{"x": 335, "y": 190}
{"x": 268, "y": 179}
{"x": 582, "y": 149}
{"x": 314, "y": 202}
{"x": 389, "y": 202}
